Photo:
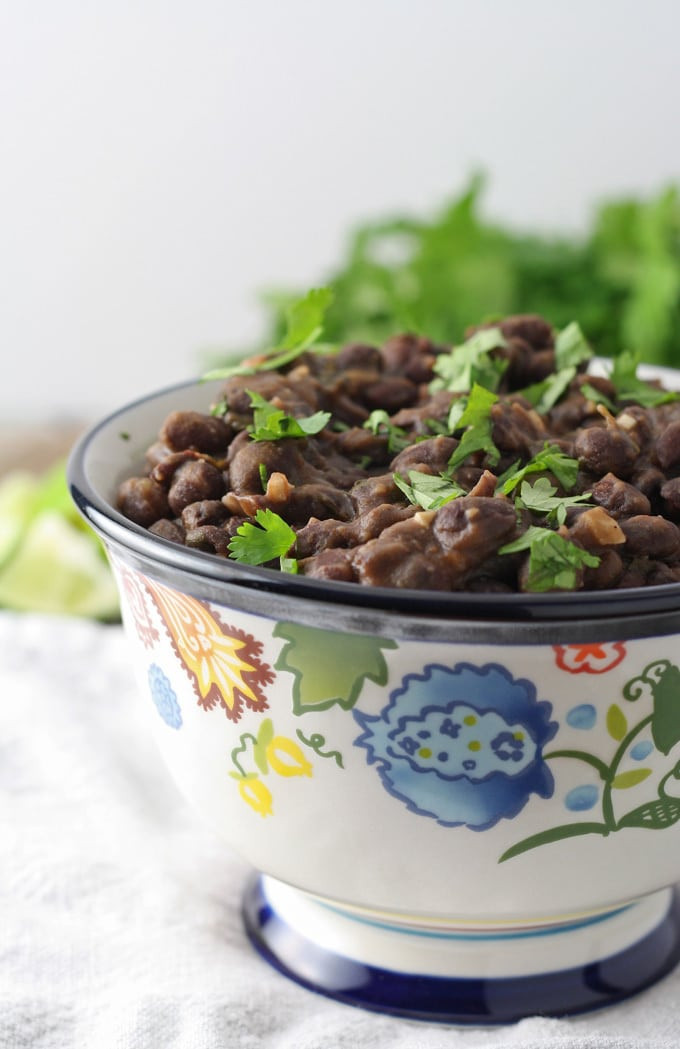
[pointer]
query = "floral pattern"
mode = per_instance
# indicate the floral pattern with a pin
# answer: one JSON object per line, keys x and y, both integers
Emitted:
{"x": 164, "y": 697}
{"x": 465, "y": 745}
{"x": 590, "y": 658}
{"x": 222, "y": 662}
{"x": 462, "y": 744}
{"x": 136, "y": 603}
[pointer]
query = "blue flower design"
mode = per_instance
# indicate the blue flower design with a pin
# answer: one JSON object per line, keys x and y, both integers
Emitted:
{"x": 462, "y": 744}
{"x": 163, "y": 695}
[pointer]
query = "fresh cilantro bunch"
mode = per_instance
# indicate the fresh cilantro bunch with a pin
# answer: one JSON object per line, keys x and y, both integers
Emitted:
{"x": 440, "y": 273}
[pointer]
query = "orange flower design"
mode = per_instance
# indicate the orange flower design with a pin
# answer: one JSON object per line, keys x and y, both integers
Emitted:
{"x": 222, "y": 662}
{"x": 590, "y": 658}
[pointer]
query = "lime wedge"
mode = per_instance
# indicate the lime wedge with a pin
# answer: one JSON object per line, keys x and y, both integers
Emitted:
{"x": 18, "y": 503}
{"x": 58, "y": 568}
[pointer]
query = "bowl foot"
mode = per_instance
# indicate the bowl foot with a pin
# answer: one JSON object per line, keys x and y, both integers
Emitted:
{"x": 427, "y": 971}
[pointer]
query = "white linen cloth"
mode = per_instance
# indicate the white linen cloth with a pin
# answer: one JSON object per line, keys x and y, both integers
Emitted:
{"x": 119, "y": 910}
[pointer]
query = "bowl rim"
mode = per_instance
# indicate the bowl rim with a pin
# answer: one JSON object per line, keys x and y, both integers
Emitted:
{"x": 110, "y": 524}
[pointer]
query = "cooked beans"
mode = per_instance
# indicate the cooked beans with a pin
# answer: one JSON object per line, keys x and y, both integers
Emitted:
{"x": 345, "y": 489}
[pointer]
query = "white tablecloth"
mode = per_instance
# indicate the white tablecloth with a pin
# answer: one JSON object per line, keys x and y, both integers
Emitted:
{"x": 119, "y": 910}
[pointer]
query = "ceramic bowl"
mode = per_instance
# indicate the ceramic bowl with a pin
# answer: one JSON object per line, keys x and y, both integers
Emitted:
{"x": 460, "y": 807}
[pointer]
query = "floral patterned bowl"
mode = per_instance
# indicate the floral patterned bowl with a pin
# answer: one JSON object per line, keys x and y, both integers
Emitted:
{"x": 459, "y": 807}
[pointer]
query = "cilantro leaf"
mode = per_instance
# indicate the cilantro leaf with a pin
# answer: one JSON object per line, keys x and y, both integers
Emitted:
{"x": 305, "y": 319}
{"x": 554, "y": 562}
{"x": 571, "y": 347}
{"x": 266, "y": 539}
{"x": 471, "y": 363}
{"x": 304, "y": 327}
{"x": 272, "y": 424}
{"x": 630, "y": 388}
{"x": 379, "y": 423}
{"x": 550, "y": 459}
{"x": 544, "y": 395}
{"x": 596, "y": 396}
{"x": 477, "y": 407}
{"x": 427, "y": 490}
{"x": 540, "y": 498}
{"x": 476, "y": 417}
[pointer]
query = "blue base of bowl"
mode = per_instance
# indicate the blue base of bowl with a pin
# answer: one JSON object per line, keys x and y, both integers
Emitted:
{"x": 457, "y": 1000}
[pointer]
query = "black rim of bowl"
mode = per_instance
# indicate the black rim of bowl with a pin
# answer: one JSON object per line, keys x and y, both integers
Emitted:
{"x": 554, "y": 605}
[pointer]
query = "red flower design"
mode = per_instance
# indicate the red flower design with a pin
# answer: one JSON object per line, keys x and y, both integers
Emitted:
{"x": 590, "y": 658}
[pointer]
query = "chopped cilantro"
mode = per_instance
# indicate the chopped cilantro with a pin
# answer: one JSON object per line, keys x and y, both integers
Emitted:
{"x": 596, "y": 396}
{"x": 544, "y": 395}
{"x": 379, "y": 424}
{"x": 476, "y": 417}
{"x": 554, "y": 562}
{"x": 304, "y": 327}
{"x": 266, "y": 539}
{"x": 220, "y": 407}
{"x": 272, "y": 424}
{"x": 264, "y": 476}
{"x": 477, "y": 407}
{"x": 550, "y": 459}
{"x": 471, "y": 363}
{"x": 630, "y": 388}
{"x": 427, "y": 490}
{"x": 540, "y": 498}
{"x": 571, "y": 347}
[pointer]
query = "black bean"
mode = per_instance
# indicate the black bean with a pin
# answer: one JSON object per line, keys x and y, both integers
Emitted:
{"x": 668, "y": 446}
{"x": 171, "y": 530}
{"x": 194, "y": 481}
{"x": 619, "y": 498}
{"x": 210, "y": 538}
{"x": 205, "y": 512}
{"x": 203, "y": 433}
{"x": 605, "y": 450}
{"x": 143, "y": 500}
{"x": 652, "y": 536}
{"x": 670, "y": 493}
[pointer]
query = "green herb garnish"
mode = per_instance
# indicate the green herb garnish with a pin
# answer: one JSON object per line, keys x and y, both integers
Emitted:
{"x": 571, "y": 347}
{"x": 630, "y": 388}
{"x": 554, "y": 562}
{"x": 272, "y": 424}
{"x": 476, "y": 417}
{"x": 541, "y": 498}
{"x": 264, "y": 540}
{"x": 304, "y": 327}
{"x": 427, "y": 490}
{"x": 551, "y": 459}
{"x": 471, "y": 363}
{"x": 379, "y": 424}
{"x": 544, "y": 395}
{"x": 596, "y": 396}
{"x": 220, "y": 408}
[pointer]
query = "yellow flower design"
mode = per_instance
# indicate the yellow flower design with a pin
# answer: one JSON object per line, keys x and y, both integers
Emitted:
{"x": 256, "y": 794}
{"x": 223, "y": 662}
{"x": 286, "y": 757}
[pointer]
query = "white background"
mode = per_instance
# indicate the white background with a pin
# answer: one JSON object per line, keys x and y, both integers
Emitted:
{"x": 163, "y": 161}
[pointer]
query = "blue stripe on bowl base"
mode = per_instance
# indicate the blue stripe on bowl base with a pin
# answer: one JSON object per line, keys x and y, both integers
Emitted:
{"x": 461, "y": 1001}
